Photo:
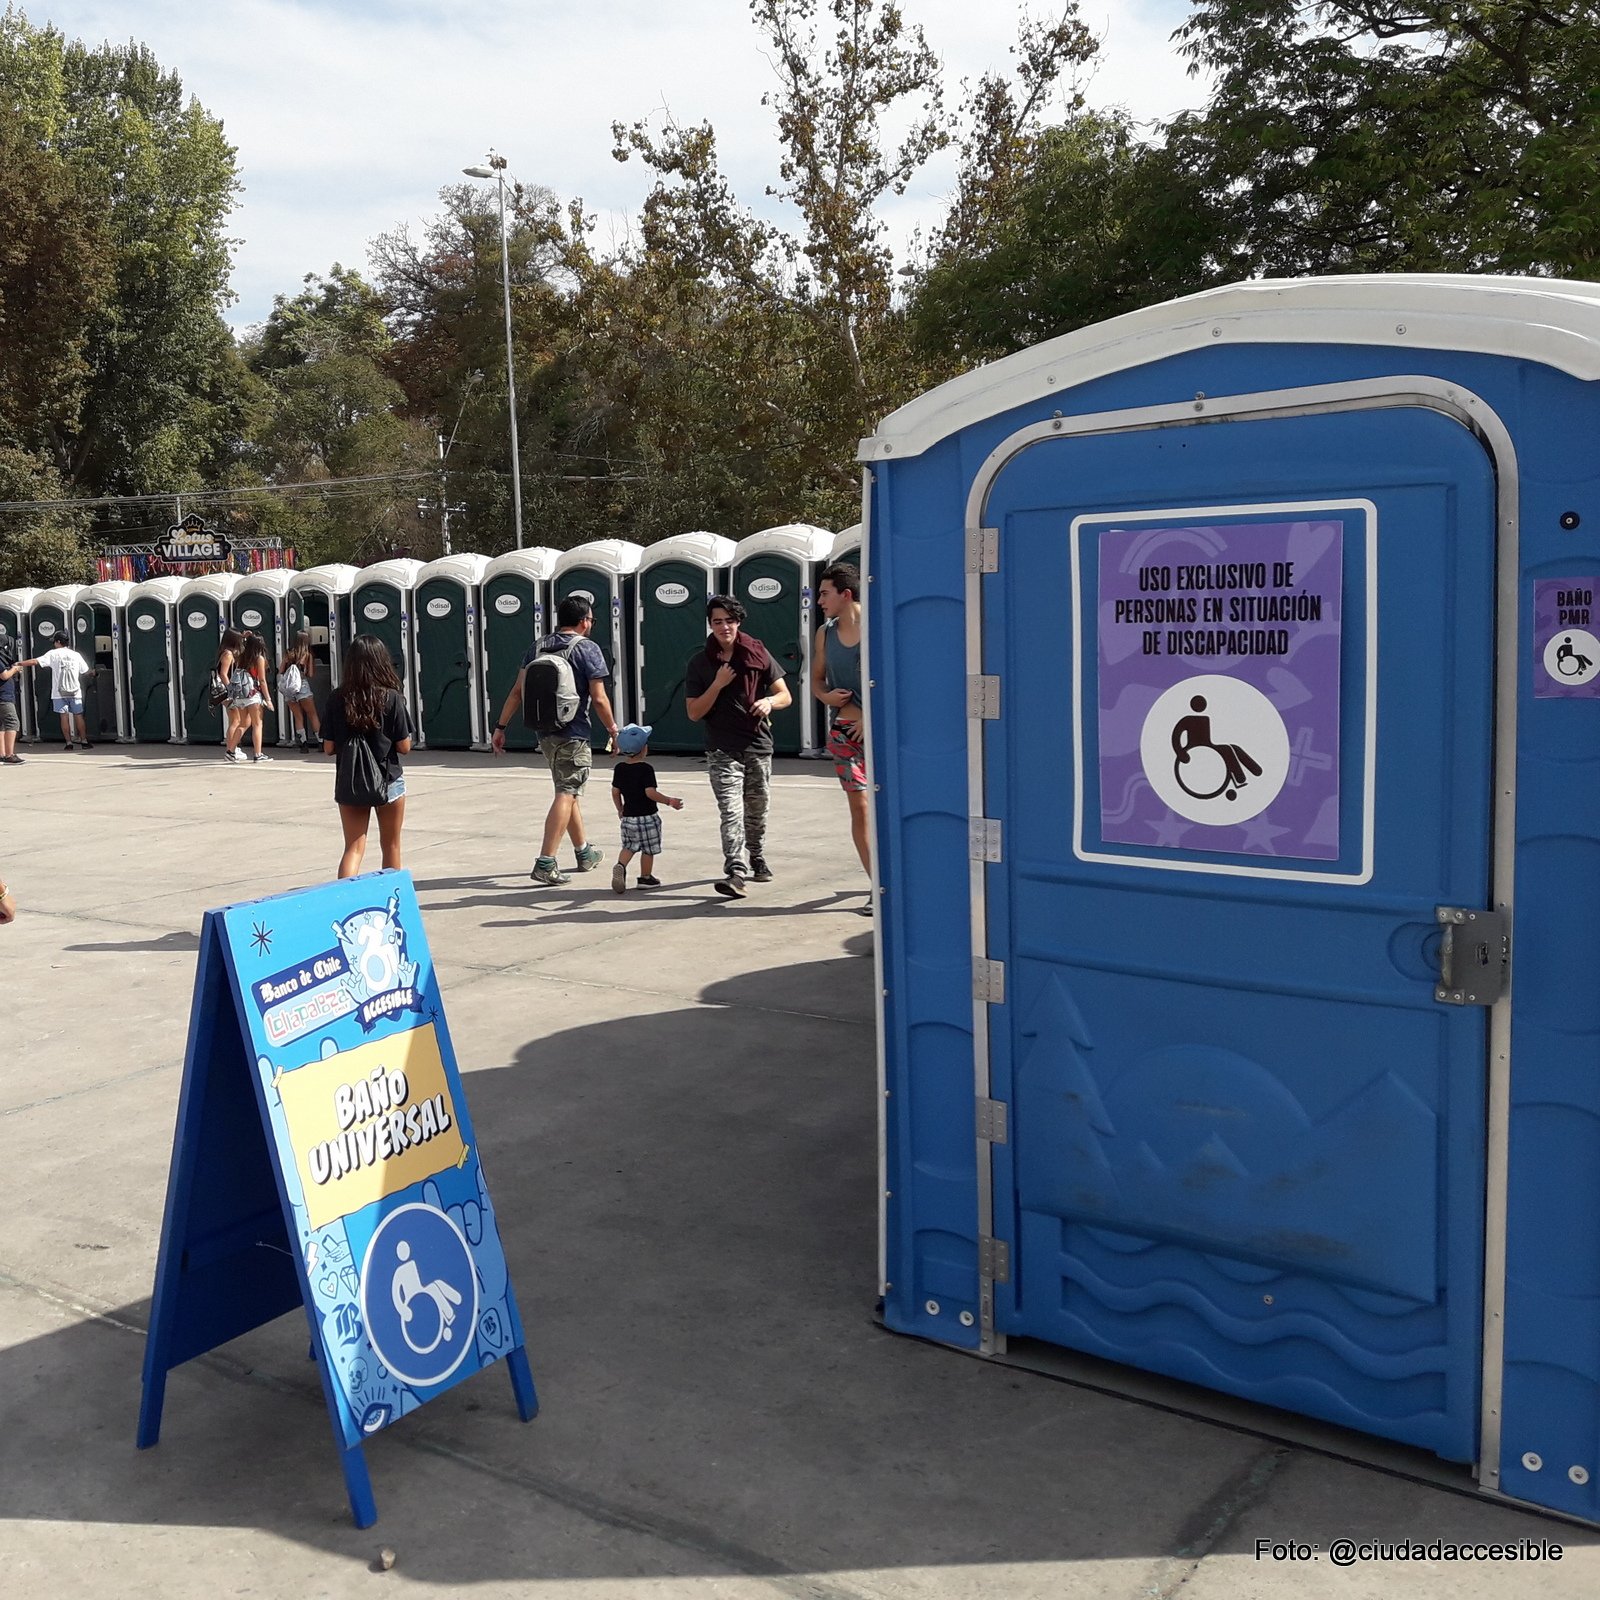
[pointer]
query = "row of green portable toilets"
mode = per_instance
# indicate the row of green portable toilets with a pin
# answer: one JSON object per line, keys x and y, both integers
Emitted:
{"x": 457, "y": 629}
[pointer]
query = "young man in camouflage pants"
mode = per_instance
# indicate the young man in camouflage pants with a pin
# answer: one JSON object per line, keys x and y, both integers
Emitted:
{"x": 734, "y": 686}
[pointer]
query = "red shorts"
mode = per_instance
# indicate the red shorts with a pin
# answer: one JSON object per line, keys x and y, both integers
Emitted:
{"x": 849, "y": 758}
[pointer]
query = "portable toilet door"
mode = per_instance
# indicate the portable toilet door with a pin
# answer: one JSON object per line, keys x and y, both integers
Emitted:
{"x": 155, "y": 706}
{"x": 448, "y": 598}
{"x": 1233, "y": 750}
{"x": 261, "y": 605}
{"x": 15, "y": 608}
{"x": 318, "y": 604}
{"x": 380, "y": 604}
{"x": 202, "y": 619}
{"x": 604, "y": 573}
{"x": 773, "y": 572}
{"x": 99, "y": 628}
{"x": 515, "y": 612}
{"x": 50, "y": 622}
{"x": 676, "y": 578}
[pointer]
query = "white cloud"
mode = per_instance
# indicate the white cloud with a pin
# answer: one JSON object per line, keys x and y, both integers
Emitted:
{"x": 349, "y": 115}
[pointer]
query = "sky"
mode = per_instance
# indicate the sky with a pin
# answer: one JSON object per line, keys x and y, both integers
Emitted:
{"x": 350, "y": 115}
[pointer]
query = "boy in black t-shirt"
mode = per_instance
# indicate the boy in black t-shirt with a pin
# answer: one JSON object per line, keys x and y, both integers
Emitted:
{"x": 634, "y": 794}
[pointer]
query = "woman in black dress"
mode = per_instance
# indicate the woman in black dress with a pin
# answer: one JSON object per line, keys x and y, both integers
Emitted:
{"x": 367, "y": 728}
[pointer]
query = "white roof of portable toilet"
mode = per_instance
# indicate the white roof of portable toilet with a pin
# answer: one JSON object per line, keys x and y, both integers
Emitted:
{"x": 709, "y": 549}
{"x": 18, "y": 599}
{"x": 536, "y": 563}
{"x": 334, "y": 578}
{"x": 618, "y": 557}
{"x": 1531, "y": 319}
{"x": 166, "y": 590}
{"x": 846, "y": 539}
{"x": 276, "y": 581}
{"x": 62, "y": 596}
{"x": 401, "y": 572}
{"x": 116, "y": 592}
{"x": 464, "y": 569}
{"x": 217, "y": 586}
{"x": 797, "y": 539}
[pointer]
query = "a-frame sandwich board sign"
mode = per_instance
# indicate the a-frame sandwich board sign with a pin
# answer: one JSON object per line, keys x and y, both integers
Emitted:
{"x": 324, "y": 1157}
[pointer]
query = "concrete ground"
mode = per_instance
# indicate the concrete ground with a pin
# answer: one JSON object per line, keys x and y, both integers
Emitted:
{"x": 676, "y": 1107}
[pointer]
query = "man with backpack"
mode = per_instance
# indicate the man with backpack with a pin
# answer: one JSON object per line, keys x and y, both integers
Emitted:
{"x": 67, "y": 671}
{"x": 562, "y": 676}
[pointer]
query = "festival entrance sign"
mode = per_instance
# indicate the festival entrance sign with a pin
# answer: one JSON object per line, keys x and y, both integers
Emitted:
{"x": 191, "y": 542}
{"x": 325, "y": 1158}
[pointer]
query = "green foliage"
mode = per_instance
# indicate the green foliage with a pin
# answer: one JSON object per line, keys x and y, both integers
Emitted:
{"x": 38, "y": 549}
{"x": 1416, "y": 135}
{"x": 158, "y": 385}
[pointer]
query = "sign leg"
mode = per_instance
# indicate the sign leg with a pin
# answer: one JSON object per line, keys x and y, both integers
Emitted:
{"x": 358, "y": 1485}
{"x": 155, "y": 1393}
{"x": 522, "y": 1384}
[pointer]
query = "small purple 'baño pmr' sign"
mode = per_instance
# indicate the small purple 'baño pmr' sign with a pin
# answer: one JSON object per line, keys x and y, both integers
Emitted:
{"x": 1218, "y": 694}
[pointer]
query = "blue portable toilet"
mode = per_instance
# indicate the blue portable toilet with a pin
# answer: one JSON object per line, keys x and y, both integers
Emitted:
{"x": 1234, "y": 711}
{"x": 16, "y": 629}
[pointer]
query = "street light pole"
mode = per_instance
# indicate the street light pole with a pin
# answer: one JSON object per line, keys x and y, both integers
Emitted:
{"x": 497, "y": 170}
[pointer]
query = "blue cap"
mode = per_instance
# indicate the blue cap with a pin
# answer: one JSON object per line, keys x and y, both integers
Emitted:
{"x": 632, "y": 739}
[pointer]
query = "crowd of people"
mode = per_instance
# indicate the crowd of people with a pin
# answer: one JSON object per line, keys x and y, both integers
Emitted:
{"x": 732, "y": 687}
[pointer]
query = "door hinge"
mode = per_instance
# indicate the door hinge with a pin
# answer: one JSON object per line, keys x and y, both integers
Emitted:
{"x": 994, "y": 1260}
{"x": 992, "y": 1121}
{"x": 983, "y": 549}
{"x": 989, "y": 981}
{"x": 983, "y": 696}
{"x": 983, "y": 838}
{"x": 1474, "y": 956}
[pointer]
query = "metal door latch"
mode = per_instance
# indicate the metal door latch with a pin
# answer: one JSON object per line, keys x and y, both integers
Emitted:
{"x": 1474, "y": 956}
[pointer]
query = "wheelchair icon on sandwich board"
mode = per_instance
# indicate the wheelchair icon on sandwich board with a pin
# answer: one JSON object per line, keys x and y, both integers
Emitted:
{"x": 419, "y": 1294}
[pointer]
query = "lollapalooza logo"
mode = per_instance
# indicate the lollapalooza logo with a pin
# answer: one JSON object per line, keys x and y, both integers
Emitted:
{"x": 379, "y": 977}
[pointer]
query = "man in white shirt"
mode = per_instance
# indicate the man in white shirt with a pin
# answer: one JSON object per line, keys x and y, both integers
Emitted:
{"x": 67, "y": 671}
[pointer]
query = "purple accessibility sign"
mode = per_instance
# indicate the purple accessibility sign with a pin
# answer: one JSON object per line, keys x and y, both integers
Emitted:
{"x": 1218, "y": 691}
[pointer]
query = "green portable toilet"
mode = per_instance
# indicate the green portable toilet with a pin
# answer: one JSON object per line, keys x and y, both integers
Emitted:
{"x": 318, "y": 603}
{"x": 516, "y": 611}
{"x": 380, "y": 604}
{"x": 202, "y": 617}
{"x": 846, "y": 547}
{"x": 773, "y": 573}
{"x": 16, "y": 606}
{"x": 155, "y": 707}
{"x": 100, "y": 636}
{"x": 50, "y": 622}
{"x": 604, "y": 574}
{"x": 447, "y": 601}
{"x": 261, "y": 605}
{"x": 676, "y": 578}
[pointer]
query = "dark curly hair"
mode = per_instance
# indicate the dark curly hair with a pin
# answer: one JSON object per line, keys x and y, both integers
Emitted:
{"x": 364, "y": 685}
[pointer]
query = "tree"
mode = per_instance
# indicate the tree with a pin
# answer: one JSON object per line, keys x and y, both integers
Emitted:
{"x": 39, "y": 547}
{"x": 1428, "y": 135}
{"x": 327, "y": 411}
{"x": 161, "y": 379}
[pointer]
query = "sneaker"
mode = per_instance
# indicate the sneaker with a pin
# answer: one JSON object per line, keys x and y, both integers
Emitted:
{"x": 13, "y": 761}
{"x": 648, "y": 880}
{"x": 545, "y": 870}
{"x": 262, "y": 757}
{"x": 867, "y": 909}
{"x": 235, "y": 756}
{"x": 589, "y": 858}
{"x": 619, "y": 878}
{"x": 87, "y": 745}
{"x": 759, "y": 870}
{"x": 733, "y": 884}
{"x": 69, "y": 748}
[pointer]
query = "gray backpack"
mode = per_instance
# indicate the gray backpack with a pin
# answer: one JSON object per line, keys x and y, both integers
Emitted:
{"x": 550, "y": 691}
